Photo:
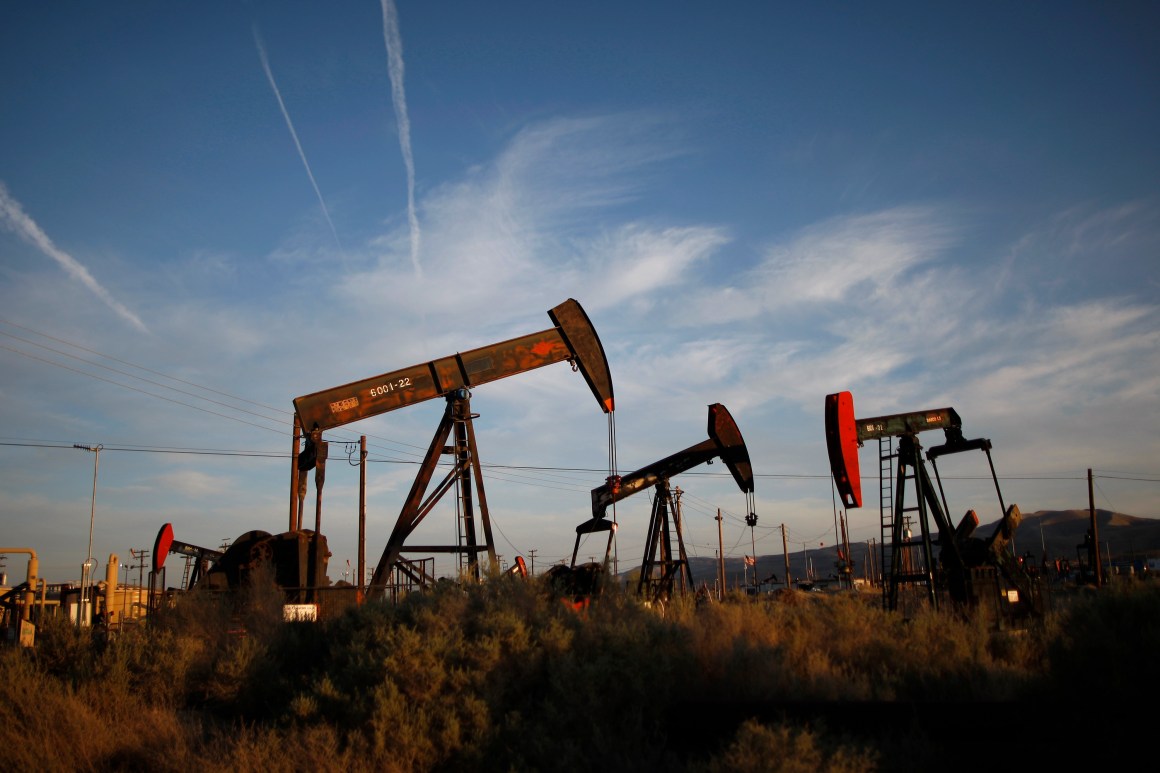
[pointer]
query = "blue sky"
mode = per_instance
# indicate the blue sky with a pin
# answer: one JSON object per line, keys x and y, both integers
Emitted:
{"x": 209, "y": 209}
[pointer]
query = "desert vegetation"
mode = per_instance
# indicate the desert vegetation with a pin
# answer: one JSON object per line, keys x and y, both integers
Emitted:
{"x": 503, "y": 676}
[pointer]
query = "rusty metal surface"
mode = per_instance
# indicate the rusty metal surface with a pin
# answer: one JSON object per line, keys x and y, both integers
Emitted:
{"x": 725, "y": 432}
{"x": 648, "y": 476}
{"x": 298, "y": 560}
{"x": 724, "y": 441}
{"x": 413, "y": 510}
{"x": 588, "y": 353}
{"x": 574, "y": 339}
{"x": 407, "y": 386}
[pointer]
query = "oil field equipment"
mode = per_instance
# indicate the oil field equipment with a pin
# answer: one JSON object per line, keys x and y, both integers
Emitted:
{"x": 296, "y": 560}
{"x": 571, "y": 339}
{"x": 198, "y": 560}
{"x": 970, "y": 570}
{"x": 661, "y": 566}
{"x": 16, "y": 604}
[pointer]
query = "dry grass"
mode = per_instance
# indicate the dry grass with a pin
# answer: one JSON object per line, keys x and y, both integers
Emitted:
{"x": 502, "y": 676}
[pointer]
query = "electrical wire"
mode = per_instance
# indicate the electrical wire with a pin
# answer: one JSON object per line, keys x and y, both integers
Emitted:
{"x": 282, "y": 414}
{"x": 548, "y": 477}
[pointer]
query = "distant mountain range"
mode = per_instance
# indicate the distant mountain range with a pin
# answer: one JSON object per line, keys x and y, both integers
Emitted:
{"x": 1058, "y": 533}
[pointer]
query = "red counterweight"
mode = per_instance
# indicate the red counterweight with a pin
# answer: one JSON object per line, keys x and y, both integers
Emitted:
{"x": 842, "y": 444}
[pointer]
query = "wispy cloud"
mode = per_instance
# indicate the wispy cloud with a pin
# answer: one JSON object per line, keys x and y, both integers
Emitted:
{"x": 294, "y": 135}
{"x": 861, "y": 255}
{"x": 394, "y": 42}
{"x": 634, "y": 263}
{"x": 839, "y": 304}
{"x": 897, "y": 305}
{"x": 191, "y": 483}
{"x": 1089, "y": 230}
{"x": 1060, "y": 251}
{"x": 1098, "y": 351}
{"x": 13, "y": 217}
{"x": 521, "y": 228}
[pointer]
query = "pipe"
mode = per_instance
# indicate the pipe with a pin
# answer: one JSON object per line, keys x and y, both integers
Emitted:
{"x": 112, "y": 569}
{"x": 33, "y": 568}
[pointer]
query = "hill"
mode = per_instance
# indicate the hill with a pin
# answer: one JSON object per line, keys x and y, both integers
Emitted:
{"x": 1056, "y": 533}
{"x": 1060, "y": 533}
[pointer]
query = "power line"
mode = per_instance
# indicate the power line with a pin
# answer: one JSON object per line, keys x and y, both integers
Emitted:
{"x": 130, "y": 364}
{"x": 140, "y": 391}
{"x": 495, "y": 471}
{"x": 284, "y": 414}
{"x": 189, "y": 451}
{"x": 494, "y": 468}
{"x": 140, "y": 378}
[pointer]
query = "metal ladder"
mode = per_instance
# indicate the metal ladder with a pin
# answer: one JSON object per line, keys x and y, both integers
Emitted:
{"x": 885, "y": 510}
{"x": 185, "y": 574}
{"x": 462, "y": 561}
{"x": 908, "y": 570}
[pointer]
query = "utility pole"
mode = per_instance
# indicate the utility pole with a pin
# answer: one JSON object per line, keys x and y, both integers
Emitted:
{"x": 362, "y": 516}
{"x": 720, "y": 559}
{"x": 532, "y": 554}
{"x": 1096, "y": 562}
{"x": 87, "y": 567}
{"x": 785, "y": 554}
{"x": 140, "y": 555}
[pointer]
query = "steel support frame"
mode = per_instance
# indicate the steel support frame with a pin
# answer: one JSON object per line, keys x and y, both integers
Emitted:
{"x": 457, "y": 421}
{"x": 928, "y": 508}
{"x": 660, "y": 539}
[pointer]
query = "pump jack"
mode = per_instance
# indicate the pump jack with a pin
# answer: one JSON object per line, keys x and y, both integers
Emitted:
{"x": 963, "y": 560}
{"x": 724, "y": 441}
{"x": 572, "y": 339}
{"x": 199, "y": 561}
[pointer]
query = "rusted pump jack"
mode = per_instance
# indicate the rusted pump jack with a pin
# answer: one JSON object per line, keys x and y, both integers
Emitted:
{"x": 572, "y": 339}
{"x": 724, "y": 441}
{"x": 962, "y": 558}
{"x": 296, "y": 560}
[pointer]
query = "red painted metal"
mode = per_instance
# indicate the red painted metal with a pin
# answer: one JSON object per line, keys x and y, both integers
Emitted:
{"x": 161, "y": 546}
{"x": 842, "y": 445}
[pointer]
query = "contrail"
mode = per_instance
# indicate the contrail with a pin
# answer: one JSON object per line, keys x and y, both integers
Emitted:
{"x": 399, "y": 97}
{"x": 294, "y": 135}
{"x": 13, "y": 217}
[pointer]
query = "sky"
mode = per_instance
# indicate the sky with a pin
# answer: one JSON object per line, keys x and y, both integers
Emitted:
{"x": 208, "y": 209}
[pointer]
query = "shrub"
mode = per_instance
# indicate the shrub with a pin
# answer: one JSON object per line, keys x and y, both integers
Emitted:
{"x": 502, "y": 675}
